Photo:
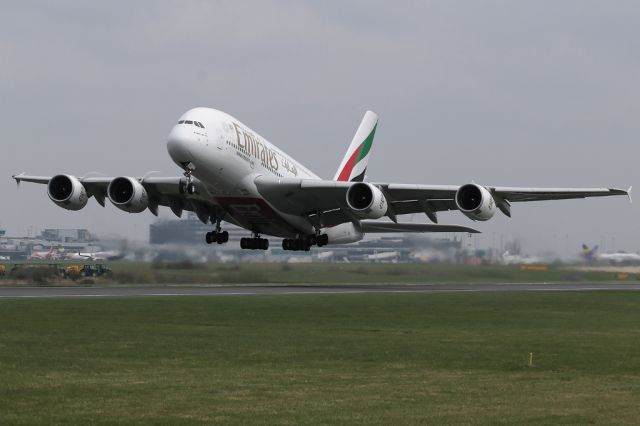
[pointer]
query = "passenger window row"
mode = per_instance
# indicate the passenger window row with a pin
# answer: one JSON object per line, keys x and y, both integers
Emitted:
{"x": 195, "y": 123}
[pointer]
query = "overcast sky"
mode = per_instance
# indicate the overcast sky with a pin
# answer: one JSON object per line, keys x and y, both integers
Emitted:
{"x": 540, "y": 93}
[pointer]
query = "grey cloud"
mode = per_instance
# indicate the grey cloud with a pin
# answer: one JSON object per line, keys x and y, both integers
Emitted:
{"x": 507, "y": 93}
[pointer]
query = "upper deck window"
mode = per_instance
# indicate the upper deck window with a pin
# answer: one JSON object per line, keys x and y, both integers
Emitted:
{"x": 188, "y": 122}
{"x": 181, "y": 122}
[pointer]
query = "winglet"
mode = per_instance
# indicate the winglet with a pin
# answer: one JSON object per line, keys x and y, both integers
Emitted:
{"x": 17, "y": 178}
{"x": 629, "y": 194}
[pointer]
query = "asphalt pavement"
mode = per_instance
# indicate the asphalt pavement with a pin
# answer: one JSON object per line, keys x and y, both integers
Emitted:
{"x": 272, "y": 290}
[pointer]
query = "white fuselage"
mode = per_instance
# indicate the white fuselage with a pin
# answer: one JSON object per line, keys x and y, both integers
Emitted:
{"x": 619, "y": 257}
{"x": 226, "y": 156}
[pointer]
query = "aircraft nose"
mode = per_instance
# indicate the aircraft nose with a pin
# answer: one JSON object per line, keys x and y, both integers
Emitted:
{"x": 178, "y": 144}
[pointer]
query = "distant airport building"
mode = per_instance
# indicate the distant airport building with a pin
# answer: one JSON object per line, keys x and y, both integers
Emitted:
{"x": 67, "y": 235}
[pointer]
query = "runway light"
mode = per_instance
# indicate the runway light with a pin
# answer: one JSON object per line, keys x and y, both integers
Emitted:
{"x": 530, "y": 362}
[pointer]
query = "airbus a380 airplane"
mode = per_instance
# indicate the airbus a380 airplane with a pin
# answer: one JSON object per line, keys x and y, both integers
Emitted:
{"x": 233, "y": 174}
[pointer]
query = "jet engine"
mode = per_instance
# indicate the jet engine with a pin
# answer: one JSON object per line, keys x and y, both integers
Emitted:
{"x": 344, "y": 233}
{"x": 366, "y": 200}
{"x": 128, "y": 194}
{"x": 67, "y": 192}
{"x": 475, "y": 202}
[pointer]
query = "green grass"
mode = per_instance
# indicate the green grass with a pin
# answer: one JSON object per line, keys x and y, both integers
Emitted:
{"x": 125, "y": 272}
{"x": 332, "y": 359}
{"x": 319, "y": 273}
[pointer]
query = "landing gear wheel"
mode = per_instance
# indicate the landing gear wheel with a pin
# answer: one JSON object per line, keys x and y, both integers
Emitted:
{"x": 216, "y": 237}
{"x": 211, "y": 237}
{"x": 254, "y": 243}
{"x": 322, "y": 240}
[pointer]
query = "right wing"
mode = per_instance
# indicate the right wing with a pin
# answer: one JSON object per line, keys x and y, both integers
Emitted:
{"x": 162, "y": 191}
{"x": 327, "y": 199}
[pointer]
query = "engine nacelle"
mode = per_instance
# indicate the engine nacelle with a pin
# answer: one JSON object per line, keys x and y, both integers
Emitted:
{"x": 366, "y": 201}
{"x": 344, "y": 233}
{"x": 475, "y": 202}
{"x": 128, "y": 194}
{"x": 67, "y": 192}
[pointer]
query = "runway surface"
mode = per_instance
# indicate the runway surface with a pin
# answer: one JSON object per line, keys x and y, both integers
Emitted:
{"x": 269, "y": 290}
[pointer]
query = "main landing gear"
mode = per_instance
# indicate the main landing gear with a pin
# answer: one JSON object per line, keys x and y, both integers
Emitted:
{"x": 217, "y": 237}
{"x": 305, "y": 243}
{"x": 255, "y": 243}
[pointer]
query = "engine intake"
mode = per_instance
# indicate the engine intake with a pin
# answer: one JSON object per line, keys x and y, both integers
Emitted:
{"x": 67, "y": 192}
{"x": 128, "y": 194}
{"x": 475, "y": 202}
{"x": 366, "y": 200}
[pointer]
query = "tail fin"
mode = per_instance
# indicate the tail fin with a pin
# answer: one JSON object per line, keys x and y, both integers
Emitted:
{"x": 354, "y": 164}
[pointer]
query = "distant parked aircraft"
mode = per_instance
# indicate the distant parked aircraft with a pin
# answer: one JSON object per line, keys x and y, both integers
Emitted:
{"x": 384, "y": 256}
{"x": 592, "y": 255}
{"x": 98, "y": 255}
{"x": 44, "y": 255}
{"x": 516, "y": 259}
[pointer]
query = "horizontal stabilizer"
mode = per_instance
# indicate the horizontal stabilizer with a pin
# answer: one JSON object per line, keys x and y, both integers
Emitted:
{"x": 373, "y": 226}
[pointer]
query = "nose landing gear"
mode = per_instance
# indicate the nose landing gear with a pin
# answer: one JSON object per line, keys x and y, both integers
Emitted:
{"x": 187, "y": 186}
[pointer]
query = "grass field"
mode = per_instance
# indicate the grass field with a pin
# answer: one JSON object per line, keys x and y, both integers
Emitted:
{"x": 338, "y": 359}
{"x": 336, "y": 273}
{"x": 322, "y": 273}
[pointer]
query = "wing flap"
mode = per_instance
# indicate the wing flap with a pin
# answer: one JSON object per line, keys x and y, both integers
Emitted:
{"x": 371, "y": 226}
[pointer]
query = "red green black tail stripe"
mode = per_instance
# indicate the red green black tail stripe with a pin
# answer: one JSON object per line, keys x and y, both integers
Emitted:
{"x": 360, "y": 153}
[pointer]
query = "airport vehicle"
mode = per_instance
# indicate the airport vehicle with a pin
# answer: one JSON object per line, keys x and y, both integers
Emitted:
{"x": 88, "y": 270}
{"x": 233, "y": 174}
{"x": 592, "y": 255}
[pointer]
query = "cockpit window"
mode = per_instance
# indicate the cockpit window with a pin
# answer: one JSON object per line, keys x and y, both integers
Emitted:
{"x": 195, "y": 123}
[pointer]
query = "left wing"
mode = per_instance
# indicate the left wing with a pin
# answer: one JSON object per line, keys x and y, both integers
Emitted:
{"x": 326, "y": 199}
{"x": 162, "y": 191}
